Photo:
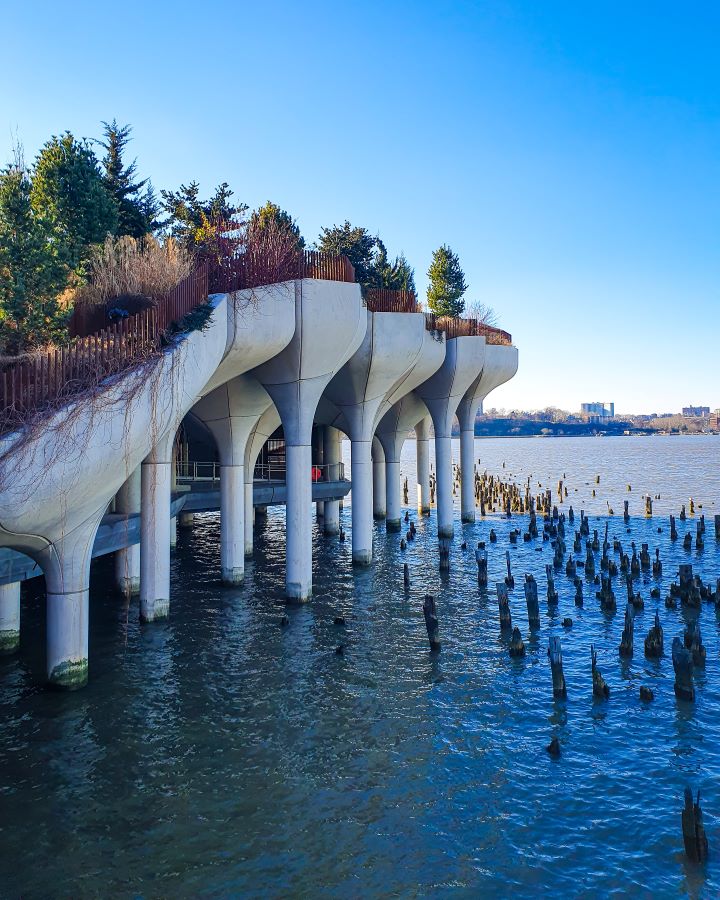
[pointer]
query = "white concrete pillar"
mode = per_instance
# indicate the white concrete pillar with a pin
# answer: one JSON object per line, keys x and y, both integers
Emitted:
{"x": 9, "y": 617}
{"x": 232, "y": 523}
{"x": 444, "y": 475}
{"x": 318, "y": 459}
{"x": 298, "y": 512}
{"x": 361, "y": 469}
{"x": 379, "y": 489}
{"x": 186, "y": 519}
{"x": 66, "y": 564}
{"x": 467, "y": 481}
{"x": 155, "y": 483}
{"x": 394, "y": 487}
{"x": 331, "y": 454}
{"x": 173, "y": 529}
{"x": 249, "y": 518}
{"x": 127, "y": 560}
{"x": 422, "y": 435}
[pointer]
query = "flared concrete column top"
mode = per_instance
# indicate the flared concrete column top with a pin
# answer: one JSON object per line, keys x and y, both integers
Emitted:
{"x": 501, "y": 363}
{"x": 443, "y": 391}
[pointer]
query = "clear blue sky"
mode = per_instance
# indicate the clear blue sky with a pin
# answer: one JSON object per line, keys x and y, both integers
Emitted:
{"x": 569, "y": 152}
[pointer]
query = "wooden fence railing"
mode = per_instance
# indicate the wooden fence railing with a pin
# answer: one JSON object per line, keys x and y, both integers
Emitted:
{"x": 45, "y": 380}
{"x": 386, "y": 300}
{"x": 250, "y": 270}
{"x": 456, "y": 327}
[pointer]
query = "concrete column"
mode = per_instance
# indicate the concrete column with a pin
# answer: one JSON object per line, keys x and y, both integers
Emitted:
{"x": 422, "y": 436}
{"x": 155, "y": 483}
{"x": 361, "y": 476}
{"x": 394, "y": 510}
{"x": 298, "y": 578}
{"x": 379, "y": 490}
{"x": 318, "y": 459}
{"x": 173, "y": 530}
{"x": 331, "y": 455}
{"x": 444, "y": 475}
{"x": 467, "y": 481}
{"x": 232, "y": 523}
{"x": 9, "y": 617}
{"x": 66, "y": 564}
{"x": 186, "y": 519}
{"x": 173, "y": 487}
{"x": 127, "y": 560}
{"x": 249, "y": 518}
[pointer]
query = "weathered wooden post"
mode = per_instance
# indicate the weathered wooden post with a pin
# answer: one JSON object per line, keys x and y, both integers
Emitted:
{"x": 578, "y": 592}
{"x": 657, "y": 564}
{"x": 683, "y": 666}
{"x": 600, "y": 687}
{"x": 626, "y": 641}
{"x": 577, "y": 543}
{"x": 693, "y": 643}
{"x": 552, "y": 594}
{"x": 431, "y": 623}
{"x": 556, "y": 667}
{"x": 687, "y": 541}
{"x": 589, "y": 562}
{"x": 648, "y": 506}
{"x": 626, "y": 512}
{"x": 693, "y": 830}
{"x": 682, "y": 513}
{"x": 717, "y": 528}
{"x": 644, "y": 557}
{"x": 571, "y": 515}
{"x": 570, "y": 566}
{"x": 509, "y": 580}
{"x": 481, "y": 558}
{"x": 654, "y": 641}
{"x": 517, "y": 648}
{"x": 406, "y": 576}
{"x": 606, "y": 595}
{"x": 531, "y": 598}
{"x": 673, "y": 529}
{"x": 595, "y": 541}
{"x": 699, "y": 542}
{"x": 493, "y": 536}
{"x": 503, "y": 606}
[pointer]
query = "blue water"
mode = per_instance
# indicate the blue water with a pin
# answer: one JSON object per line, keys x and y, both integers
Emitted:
{"x": 220, "y": 754}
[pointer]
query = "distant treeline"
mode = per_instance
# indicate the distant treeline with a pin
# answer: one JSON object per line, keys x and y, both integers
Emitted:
{"x": 530, "y": 428}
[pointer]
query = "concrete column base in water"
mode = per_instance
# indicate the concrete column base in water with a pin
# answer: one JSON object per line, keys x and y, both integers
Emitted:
{"x": 393, "y": 488}
{"x": 156, "y": 481}
{"x": 9, "y": 617}
{"x": 232, "y": 523}
{"x": 127, "y": 560}
{"x": 362, "y": 478}
{"x": 332, "y": 452}
{"x": 467, "y": 480}
{"x": 379, "y": 487}
{"x": 422, "y": 434}
{"x": 298, "y": 518}
{"x": 443, "y": 462}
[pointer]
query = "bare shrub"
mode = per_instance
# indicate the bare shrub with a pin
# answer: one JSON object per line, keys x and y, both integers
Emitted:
{"x": 482, "y": 313}
{"x": 129, "y": 268}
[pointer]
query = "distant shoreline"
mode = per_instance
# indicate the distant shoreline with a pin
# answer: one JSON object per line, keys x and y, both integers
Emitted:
{"x": 523, "y": 428}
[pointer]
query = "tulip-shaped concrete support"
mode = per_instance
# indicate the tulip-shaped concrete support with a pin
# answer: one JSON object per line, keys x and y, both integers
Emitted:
{"x": 379, "y": 490}
{"x": 332, "y": 454}
{"x": 127, "y": 560}
{"x": 155, "y": 488}
{"x": 442, "y": 393}
{"x": 500, "y": 365}
{"x": 232, "y": 412}
{"x": 330, "y": 323}
{"x": 9, "y": 617}
{"x": 66, "y": 564}
{"x": 392, "y": 432}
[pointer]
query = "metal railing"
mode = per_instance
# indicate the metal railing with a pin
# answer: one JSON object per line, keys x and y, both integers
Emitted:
{"x": 251, "y": 269}
{"x": 454, "y": 327}
{"x": 386, "y": 300}
{"x": 201, "y": 471}
{"x": 49, "y": 378}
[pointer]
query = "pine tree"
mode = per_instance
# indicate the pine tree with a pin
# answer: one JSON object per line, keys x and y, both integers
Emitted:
{"x": 272, "y": 213}
{"x": 68, "y": 193}
{"x": 358, "y": 245}
{"x": 447, "y": 283}
{"x": 137, "y": 208}
{"x": 32, "y": 269}
{"x": 193, "y": 222}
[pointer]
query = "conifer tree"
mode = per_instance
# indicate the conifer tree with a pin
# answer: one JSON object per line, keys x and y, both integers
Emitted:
{"x": 137, "y": 208}
{"x": 32, "y": 269}
{"x": 357, "y": 244}
{"x": 272, "y": 213}
{"x": 447, "y": 283}
{"x": 68, "y": 193}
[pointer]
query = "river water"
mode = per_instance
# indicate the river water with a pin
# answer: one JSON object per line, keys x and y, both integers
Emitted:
{"x": 220, "y": 754}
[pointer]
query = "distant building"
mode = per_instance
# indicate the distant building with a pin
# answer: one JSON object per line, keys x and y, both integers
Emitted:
{"x": 695, "y": 412}
{"x": 714, "y": 423}
{"x": 597, "y": 412}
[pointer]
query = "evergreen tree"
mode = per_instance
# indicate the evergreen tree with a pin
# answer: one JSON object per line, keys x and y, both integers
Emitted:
{"x": 271, "y": 213}
{"x": 447, "y": 283}
{"x": 137, "y": 208}
{"x": 357, "y": 244}
{"x": 69, "y": 194}
{"x": 195, "y": 223}
{"x": 32, "y": 270}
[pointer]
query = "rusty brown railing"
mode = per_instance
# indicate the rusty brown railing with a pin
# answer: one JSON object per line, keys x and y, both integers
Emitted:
{"x": 47, "y": 379}
{"x": 250, "y": 270}
{"x": 386, "y": 300}
{"x": 456, "y": 327}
